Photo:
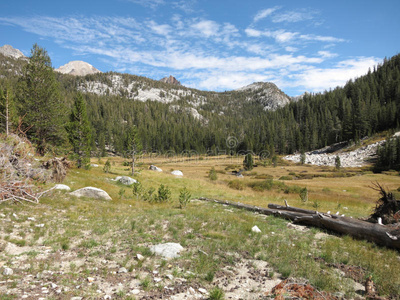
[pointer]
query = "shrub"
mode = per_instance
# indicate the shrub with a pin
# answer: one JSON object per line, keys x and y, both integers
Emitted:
{"x": 248, "y": 162}
{"x": 163, "y": 194}
{"x": 337, "y": 162}
{"x": 213, "y": 174}
{"x": 236, "y": 185}
{"x": 149, "y": 194}
{"x": 304, "y": 194}
{"x": 137, "y": 189}
{"x": 107, "y": 166}
{"x": 216, "y": 294}
{"x": 288, "y": 177}
{"x": 184, "y": 197}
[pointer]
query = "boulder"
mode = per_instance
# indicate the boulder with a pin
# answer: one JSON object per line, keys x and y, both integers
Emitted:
{"x": 177, "y": 173}
{"x": 167, "y": 250}
{"x": 62, "y": 187}
{"x": 91, "y": 192}
{"x": 154, "y": 168}
{"x": 126, "y": 180}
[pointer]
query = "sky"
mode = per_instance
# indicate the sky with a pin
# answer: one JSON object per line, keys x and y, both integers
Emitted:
{"x": 214, "y": 45}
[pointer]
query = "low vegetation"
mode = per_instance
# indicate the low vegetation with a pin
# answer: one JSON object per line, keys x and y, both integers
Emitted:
{"x": 107, "y": 236}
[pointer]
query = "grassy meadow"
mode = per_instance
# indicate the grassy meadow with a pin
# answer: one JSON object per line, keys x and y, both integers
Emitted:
{"x": 87, "y": 238}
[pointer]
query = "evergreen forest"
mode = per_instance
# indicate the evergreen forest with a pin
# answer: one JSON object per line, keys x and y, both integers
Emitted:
{"x": 232, "y": 124}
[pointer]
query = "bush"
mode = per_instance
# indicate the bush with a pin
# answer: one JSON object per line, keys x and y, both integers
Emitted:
{"x": 163, "y": 194}
{"x": 184, "y": 197}
{"x": 137, "y": 189}
{"x": 107, "y": 166}
{"x": 149, "y": 194}
{"x": 248, "y": 162}
{"x": 213, "y": 174}
{"x": 286, "y": 178}
{"x": 216, "y": 294}
{"x": 236, "y": 185}
{"x": 304, "y": 194}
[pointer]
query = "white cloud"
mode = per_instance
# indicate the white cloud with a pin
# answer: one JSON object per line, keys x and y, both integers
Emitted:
{"x": 206, "y": 28}
{"x": 225, "y": 58}
{"x": 318, "y": 79}
{"x": 293, "y": 16}
{"x": 159, "y": 29}
{"x": 327, "y": 54}
{"x": 148, "y": 3}
{"x": 264, "y": 13}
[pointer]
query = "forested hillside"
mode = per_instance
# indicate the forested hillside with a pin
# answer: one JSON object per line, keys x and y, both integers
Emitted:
{"x": 191, "y": 120}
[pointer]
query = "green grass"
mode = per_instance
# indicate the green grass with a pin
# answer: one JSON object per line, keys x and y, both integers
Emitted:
{"x": 213, "y": 236}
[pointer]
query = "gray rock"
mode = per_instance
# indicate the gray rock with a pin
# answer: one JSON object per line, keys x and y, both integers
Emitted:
{"x": 91, "y": 192}
{"x": 177, "y": 173}
{"x": 168, "y": 250}
{"x": 126, "y": 180}
{"x": 7, "y": 271}
{"x": 154, "y": 168}
{"x": 62, "y": 187}
{"x": 122, "y": 270}
{"x": 256, "y": 229}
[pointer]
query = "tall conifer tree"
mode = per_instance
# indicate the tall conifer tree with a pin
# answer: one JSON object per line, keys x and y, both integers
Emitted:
{"x": 79, "y": 131}
{"x": 40, "y": 102}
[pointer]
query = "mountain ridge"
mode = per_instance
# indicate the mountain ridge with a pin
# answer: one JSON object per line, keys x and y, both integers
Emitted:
{"x": 77, "y": 68}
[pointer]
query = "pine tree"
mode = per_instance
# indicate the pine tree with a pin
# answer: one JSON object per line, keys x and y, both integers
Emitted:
{"x": 248, "y": 162}
{"x": 132, "y": 145}
{"x": 79, "y": 132}
{"x": 40, "y": 103}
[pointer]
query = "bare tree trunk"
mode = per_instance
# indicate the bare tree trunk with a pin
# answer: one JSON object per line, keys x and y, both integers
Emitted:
{"x": 380, "y": 234}
{"x": 7, "y": 120}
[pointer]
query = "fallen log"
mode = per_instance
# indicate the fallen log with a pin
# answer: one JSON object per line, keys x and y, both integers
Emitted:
{"x": 383, "y": 235}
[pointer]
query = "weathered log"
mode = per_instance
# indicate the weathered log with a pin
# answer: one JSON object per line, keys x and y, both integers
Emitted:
{"x": 376, "y": 233}
{"x": 261, "y": 210}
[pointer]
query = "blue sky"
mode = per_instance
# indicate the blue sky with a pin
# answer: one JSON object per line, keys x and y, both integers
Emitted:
{"x": 212, "y": 44}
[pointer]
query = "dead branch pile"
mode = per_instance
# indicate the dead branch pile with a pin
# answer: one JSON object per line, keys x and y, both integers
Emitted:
{"x": 18, "y": 191}
{"x": 292, "y": 289}
{"x": 387, "y": 208}
{"x": 59, "y": 168}
{"x": 17, "y": 161}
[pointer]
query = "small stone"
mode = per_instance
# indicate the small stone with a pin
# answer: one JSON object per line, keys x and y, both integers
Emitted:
{"x": 2, "y": 215}
{"x": 203, "y": 291}
{"x": 170, "y": 276}
{"x": 31, "y": 219}
{"x": 90, "y": 279}
{"x": 7, "y": 271}
{"x": 256, "y": 229}
{"x": 24, "y": 296}
{"x": 139, "y": 256}
{"x": 135, "y": 292}
{"x": 39, "y": 225}
{"x": 191, "y": 291}
{"x": 15, "y": 216}
{"x": 157, "y": 279}
{"x": 155, "y": 272}
{"x": 76, "y": 298}
{"x": 107, "y": 297}
{"x": 122, "y": 270}
{"x": 58, "y": 291}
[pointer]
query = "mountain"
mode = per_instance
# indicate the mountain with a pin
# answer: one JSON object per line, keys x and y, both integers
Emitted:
{"x": 78, "y": 68}
{"x": 171, "y": 80}
{"x": 267, "y": 94}
{"x": 9, "y": 51}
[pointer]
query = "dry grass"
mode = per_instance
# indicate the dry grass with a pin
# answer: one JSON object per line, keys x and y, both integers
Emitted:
{"x": 89, "y": 232}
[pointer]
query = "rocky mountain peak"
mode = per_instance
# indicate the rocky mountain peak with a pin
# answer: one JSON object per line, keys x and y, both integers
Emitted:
{"x": 10, "y": 51}
{"x": 171, "y": 80}
{"x": 266, "y": 93}
{"x": 78, "y": 68}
